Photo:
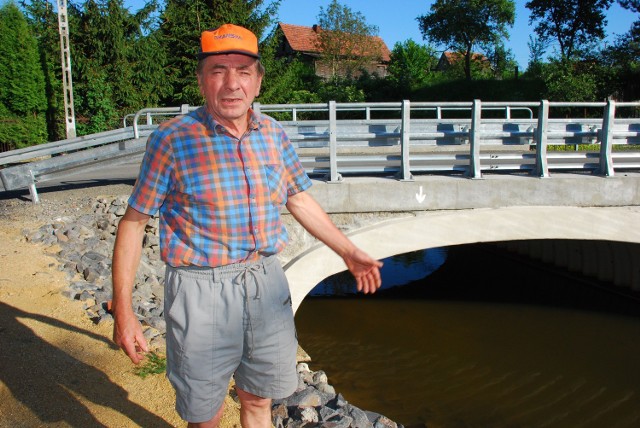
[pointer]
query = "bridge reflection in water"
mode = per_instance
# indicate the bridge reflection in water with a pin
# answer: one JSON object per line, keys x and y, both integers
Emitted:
{"x": 489, "y": 339}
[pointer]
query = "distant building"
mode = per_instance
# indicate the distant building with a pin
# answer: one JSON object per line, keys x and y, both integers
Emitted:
{"x": 449, "y": 59}
{"x": 297, "y": 39}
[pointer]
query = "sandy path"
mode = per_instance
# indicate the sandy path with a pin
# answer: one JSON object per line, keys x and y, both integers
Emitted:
{"x": 57, "y": 368}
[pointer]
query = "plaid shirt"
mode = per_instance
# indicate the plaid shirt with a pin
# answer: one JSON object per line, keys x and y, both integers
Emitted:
{"x": 219, "y": 197}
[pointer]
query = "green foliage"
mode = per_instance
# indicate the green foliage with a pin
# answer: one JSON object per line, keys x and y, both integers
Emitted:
{"x": 622, "y": 61}
{"x": 461, "y": 25}
{"x": 153, "y": 364}
{"x": 503, "y": 63}
{"x": 118, "y": 69}
{"x": 461, "y": 89}
{"x": 44, "y": 22}
{"x": 569, "y": 81}
{"x": 411, "y": 66}
{"x": 19, "y": 131}
{"x": 97, "y": 110}
{"x": 572, "y": 23}
{"x": 341, "y": 90}
{"x": 22, "y": 98}
{"x": 376, "y": 88}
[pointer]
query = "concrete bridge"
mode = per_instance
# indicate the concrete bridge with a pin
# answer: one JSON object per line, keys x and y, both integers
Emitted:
{"x": 585, "y": 224}
{"x": 411, "y": 181}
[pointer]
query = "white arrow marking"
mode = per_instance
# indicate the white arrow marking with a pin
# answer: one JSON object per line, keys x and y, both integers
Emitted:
{"x": 420, "y": 196}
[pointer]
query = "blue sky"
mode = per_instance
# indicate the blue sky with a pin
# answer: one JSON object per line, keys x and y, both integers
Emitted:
{"x": 396, "y": 20}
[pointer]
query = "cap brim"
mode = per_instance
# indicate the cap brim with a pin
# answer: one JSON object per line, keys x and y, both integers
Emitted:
{"x": 202, "y": 55}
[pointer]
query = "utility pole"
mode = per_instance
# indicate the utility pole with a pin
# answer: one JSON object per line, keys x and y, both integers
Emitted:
{"x": 65, "y": 56}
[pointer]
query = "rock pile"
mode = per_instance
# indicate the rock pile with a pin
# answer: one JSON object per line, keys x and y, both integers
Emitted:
{"x": 85, "y": 247}
{"x": 316, "y": 404}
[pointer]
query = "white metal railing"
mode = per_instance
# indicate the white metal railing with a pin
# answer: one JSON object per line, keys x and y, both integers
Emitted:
{"x": 404, "y": 138}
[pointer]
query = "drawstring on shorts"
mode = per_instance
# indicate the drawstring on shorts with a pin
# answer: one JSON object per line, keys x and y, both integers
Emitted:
{"x": 250, "y": 271}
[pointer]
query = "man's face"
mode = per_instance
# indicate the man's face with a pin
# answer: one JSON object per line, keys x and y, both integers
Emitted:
{"x": 229, "y": 84}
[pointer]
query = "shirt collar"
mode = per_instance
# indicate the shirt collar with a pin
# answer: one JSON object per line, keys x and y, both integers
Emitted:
{"x": 217, "y": 128}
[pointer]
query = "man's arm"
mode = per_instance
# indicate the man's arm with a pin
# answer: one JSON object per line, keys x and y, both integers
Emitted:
{"x": 127, "y": 332}
{"x": 313, "y": 218}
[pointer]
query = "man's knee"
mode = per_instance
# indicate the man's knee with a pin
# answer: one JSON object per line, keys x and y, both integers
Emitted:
{"x": 212, "y": 423}
{"x": 253, "y": 401}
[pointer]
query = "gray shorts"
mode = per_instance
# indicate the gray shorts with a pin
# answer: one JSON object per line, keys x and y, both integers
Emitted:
{"x": 232, "y": 320}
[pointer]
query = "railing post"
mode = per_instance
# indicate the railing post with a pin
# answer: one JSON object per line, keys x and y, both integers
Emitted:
{"x": 32, "y": 189}
{"x": 606, "y": 142}
{"x": 542, "y": 167}
{"x": 474, "y": 139}
{"x": 256, "y": 107}
{"x": 405, "y": 138}
{"x": 136, "y": 131}
{"x": 334, "y": 177}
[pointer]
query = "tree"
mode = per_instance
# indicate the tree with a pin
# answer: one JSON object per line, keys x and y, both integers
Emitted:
{"x": 181, "y": 24}
{"x": 503, "y": 63}
{"x": 463, "y": 24}
{"x": 22, "y": 89}
{"x": 287, "y": 80}
{"x": 43, "y": 21}
{"x": 537, "y": 49}
{"x": 346, "y": 42}
{"x": 411, "y": 65}
{"x": 622, "y": 60}
{"x": 572, "y": 23}
{"x": 116, "y": 71}
{"x": 565, "y": 81}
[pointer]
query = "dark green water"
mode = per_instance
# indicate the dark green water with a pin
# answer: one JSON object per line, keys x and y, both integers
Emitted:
{"x": 485, "y": 341}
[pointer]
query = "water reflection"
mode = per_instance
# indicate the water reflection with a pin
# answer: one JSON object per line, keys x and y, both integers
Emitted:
{"x": 398, "y": 270}
{"x": 485, "y": 342}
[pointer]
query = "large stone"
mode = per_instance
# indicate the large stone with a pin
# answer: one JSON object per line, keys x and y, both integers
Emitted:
{"x": 308, "y": 397}
{"x": 307, "y": 415}
{"x": 360, "y": 419}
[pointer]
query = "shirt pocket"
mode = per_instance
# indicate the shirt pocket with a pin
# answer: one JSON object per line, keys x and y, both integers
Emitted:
{"x": 277, "y": 185}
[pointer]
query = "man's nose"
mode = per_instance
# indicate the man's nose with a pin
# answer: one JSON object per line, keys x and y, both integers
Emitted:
{"x": 232, "y": 80}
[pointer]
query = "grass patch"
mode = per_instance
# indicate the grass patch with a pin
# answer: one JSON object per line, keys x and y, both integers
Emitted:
{"x": 590, "y": 147}
{"x": 153, "y": 364}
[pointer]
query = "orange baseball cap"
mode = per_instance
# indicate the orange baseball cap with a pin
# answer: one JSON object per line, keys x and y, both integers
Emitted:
{"x": 227, "y": 39}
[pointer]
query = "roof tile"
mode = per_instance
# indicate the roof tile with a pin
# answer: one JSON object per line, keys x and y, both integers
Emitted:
{"x": 305, "y": 39}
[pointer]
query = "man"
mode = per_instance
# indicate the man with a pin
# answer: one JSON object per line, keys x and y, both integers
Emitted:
{"x": 219, "y": 177}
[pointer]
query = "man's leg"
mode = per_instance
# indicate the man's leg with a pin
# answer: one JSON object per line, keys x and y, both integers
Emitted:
{"x": 212, "y": 423}
{"x": 255, "y": 412}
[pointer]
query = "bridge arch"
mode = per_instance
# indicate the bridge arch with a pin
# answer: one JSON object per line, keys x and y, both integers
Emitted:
{"x": 432, "y": 229}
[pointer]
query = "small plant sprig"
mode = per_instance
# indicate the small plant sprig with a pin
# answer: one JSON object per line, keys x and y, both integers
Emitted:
{"x": 154, "y": 364}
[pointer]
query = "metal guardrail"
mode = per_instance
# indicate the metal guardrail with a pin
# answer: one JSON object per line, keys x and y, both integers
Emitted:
{"x": 480, "y": 145}
{"x": 410, "y": 138}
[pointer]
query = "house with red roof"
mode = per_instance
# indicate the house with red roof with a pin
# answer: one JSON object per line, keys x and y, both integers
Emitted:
{"x": 305, "y": 42}
{"x": 449, "y": 59}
